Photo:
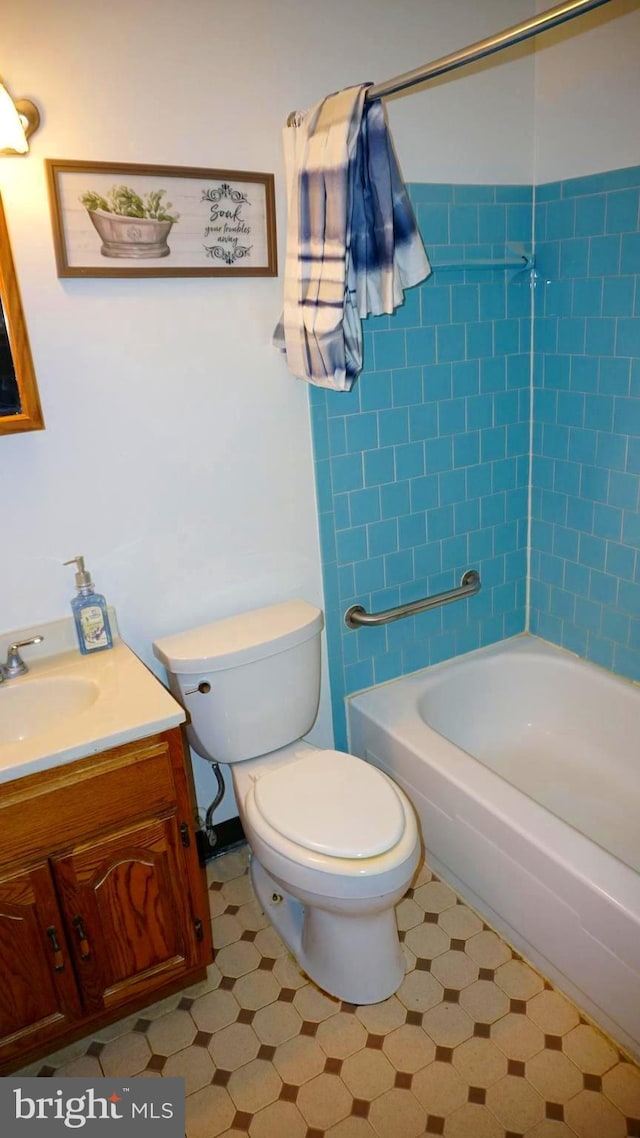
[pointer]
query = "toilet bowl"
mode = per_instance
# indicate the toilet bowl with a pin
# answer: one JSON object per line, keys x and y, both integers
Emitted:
{"x": 334, "y": 842}
{"x": 333, "y": 907}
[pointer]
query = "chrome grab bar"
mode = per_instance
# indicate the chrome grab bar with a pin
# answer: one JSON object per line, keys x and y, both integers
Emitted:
{"x": 357, "y": 616}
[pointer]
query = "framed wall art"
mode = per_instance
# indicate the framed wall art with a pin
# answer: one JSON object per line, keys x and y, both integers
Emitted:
{"x": 126, "y": 220}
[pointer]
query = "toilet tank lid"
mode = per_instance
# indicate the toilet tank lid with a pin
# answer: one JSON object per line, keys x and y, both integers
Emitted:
{"x": 240, "y": 639}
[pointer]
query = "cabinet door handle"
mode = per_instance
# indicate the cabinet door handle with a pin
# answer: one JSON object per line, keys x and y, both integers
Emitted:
{"x": 58, "y": 958}
{"x": 85, "y": 949}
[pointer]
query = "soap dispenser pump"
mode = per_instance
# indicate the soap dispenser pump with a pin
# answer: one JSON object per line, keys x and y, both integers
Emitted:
{"x": 89, "y": 612}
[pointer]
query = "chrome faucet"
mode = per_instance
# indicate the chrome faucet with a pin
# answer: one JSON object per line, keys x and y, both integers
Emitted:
{"x": 15, "y": 665}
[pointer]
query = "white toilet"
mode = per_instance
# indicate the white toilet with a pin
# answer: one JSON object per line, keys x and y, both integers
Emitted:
{"x": 334, "y": 842}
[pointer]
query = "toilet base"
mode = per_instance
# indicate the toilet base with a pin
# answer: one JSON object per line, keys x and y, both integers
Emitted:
{"x": 354, "y": 956}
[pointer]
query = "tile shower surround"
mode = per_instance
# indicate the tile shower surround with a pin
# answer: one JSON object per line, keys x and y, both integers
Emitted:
{"x": 585, "y": 538}
{"x": 423, "y": 469}
{"x": 475, "y": 1044}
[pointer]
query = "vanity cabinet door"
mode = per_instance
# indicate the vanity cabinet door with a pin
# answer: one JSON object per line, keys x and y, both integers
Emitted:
{"x": 126, "y": 910}
{"x": 38, "y": 994}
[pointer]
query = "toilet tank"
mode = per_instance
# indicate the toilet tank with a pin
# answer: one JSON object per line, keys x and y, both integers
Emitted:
{"x": 263, "y": 672}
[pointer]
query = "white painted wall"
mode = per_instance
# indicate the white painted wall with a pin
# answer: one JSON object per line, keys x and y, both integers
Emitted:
{"x": 587, "y": 85}
{"x": 177, "y": 453}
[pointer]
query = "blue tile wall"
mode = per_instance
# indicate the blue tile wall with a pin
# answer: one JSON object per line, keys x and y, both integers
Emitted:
{"x": 422, "y": 469}
{"x": 585, "y": 535}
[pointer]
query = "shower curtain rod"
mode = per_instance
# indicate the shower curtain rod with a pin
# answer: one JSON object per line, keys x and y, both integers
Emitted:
{"x": 516, "y": 34}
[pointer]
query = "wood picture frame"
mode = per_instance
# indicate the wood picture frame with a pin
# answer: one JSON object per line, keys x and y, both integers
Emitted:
{"x": 18, "y": 387}
{"x": 125, "y": 220}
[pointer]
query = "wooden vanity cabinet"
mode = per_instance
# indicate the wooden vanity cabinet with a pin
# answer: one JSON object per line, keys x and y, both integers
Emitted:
{"x": 103, "y": 905}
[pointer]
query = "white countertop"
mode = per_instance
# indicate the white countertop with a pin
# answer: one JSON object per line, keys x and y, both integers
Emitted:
{"x": 128, "y": 702}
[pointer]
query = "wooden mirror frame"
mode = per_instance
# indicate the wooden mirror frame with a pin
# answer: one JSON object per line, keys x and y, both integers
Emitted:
{"x": 29, "y": 418}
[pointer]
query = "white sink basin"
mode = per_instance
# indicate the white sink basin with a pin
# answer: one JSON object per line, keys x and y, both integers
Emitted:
{"x": 39, "y": 704}
{"x": 69, "y": 706}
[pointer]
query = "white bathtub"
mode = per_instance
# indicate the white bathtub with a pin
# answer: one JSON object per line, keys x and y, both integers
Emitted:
{"x": 523, "y": 763}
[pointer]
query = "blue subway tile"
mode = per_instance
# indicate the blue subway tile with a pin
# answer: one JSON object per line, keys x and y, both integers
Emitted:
{"x": 412, "y": 530}
{"x": 375, "y": 391}
{"x": 407, "y": 315}
{"x": 604, "y": 256}
{"x": 580, "y": 514}
{"x": 560, "y": 219}
{"x": 364, "y": 506}
{"x": 352, "y": 544}
{"x": 611, "y": 451}
{"x": 361, "y": 431}
{"x": 450, "y": 343}
{"x": 452, "y": 486}
{"x": 601, "y": 335}
{"x": 409, "y": 460}
{"x": 470, "y": 193}
{"x": 369, "y": 575}
{"x": 519, "y": 226}
{"x": 589, "y": 215}
{"x": 598, "y": 412}
{"x": 466, "y": 449}
{"x": 395, "y": 499}
{"x": 463, "y": 224}
{"x": 623, "y": 490}
{"x": 630, "y": 256}
{"x": 592, "y": 551}
{"x": 617, "y": 297}
{"x": 430, "y": 192}
{"x": 424, "y": 492}
{"x": 479, "y": 339}
{"x": 451, "y": 416}
{"x": 382, "y": 538}
{"x": 492, "y": 223}
{"x": 393, "y": 426}
{"x": 379, "y": 466}
{"x": 466, "y": 516}
{"x": 465, "y": 378}
{"x": 427, "y": 559}
{"x": 587, "y": 296}
{"x": 436, "y": 382}
{"x": 406, "y": 386}
{"x": 423, "y": 421}
{"x": 435, "y": 303}
{"x": 399, "y": 567}
{"x": 631, "y": 529}
{"x": 433, "y": 220}
{"x": 626, "y": 416}
{"x": 622, "y": 211}
{"x": 584, "y": 373}
{"x": 438, "y": 455}
{"x": 574, "y": 257}
{"x": 389, "y": 350}
{"x": 600, "y": 183}
{"x": 346, "y": 472}
{"x": 588, "y": 614}
{"x": 421, "y": 345}
{"x": 628, "y": 337}
{"x": 440, "y": 523}
{"x": 341, "y": 518}
{"x": 465, "y": 303}
{"x": 594, "y": 484}
{"x": 358, "y": 676}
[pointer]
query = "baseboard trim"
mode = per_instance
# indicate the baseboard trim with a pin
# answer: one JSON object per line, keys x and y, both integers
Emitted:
{"x": 228, "y": 834}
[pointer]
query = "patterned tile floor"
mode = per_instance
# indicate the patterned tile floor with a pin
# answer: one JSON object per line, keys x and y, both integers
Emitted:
{"x": 475, "y": 1044}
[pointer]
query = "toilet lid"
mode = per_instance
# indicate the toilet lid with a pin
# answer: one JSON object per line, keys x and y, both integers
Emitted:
{"x": 331, "y": 802}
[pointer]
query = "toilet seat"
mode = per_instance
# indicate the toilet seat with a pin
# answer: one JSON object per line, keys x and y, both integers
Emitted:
{"x": 331, "y": 803}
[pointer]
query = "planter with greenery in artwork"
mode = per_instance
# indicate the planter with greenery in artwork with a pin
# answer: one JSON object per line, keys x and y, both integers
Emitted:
{"x": 129, "y": 225}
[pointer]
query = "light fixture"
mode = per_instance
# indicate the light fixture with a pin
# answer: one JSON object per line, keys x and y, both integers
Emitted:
{"x": 18, "y": 120}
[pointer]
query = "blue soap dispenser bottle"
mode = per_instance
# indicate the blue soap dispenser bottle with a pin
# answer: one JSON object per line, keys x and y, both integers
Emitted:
{"x": 89, "y": 612}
